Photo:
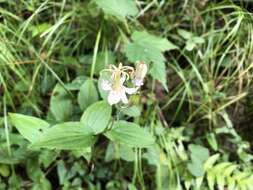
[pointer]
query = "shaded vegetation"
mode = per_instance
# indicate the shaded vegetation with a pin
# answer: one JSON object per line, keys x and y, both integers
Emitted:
{"x": 189, "y": 126}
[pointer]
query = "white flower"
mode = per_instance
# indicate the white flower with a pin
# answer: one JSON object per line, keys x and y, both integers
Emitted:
{"x": 117, "y": 92}
{"x": 118, "y": 75}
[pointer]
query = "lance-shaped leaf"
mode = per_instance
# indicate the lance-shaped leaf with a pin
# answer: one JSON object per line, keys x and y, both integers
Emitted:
{"x": 88, "y": 94}
{"x": 60, "y": 104}
{"x": 97, "y": 116}
{"x": 65, "y": 136}
{"x": 29, "y": 127}
{"x": 130, "y": 134}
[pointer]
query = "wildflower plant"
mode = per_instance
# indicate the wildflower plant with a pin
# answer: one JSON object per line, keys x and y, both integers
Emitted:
{"x": 119, "y": 78}
{"x": 70, "y": 120}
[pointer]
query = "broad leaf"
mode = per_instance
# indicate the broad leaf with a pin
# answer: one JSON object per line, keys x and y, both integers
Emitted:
{"x": 76, "y": 83}
{"x": 153, "y": 155}
{"x": 29, "y": 127}
{"x": 144, "y": 38}
{"x": 150, "y": 48}
{"x": 199, "y": 152}
{"x": 196, "y": 168}
{"x": 137, "y": 51}
{"x": 133, "y": 111}
{"x": 97, "y": 116}
{"x": 65, "y": 136}
{"x": 130, "y": 134}
{"x": 118, "y": 8}
{"x": 87, "y": 94}
{"x": 199, "y": 155}
{"x": 159, "y": 72}
{"x": 116, "y": 151}
{"x": 60, "y": 104}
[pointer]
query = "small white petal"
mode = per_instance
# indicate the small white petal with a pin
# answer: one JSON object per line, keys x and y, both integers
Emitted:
{"x": 123, "y": 96}
{"x": 113, "y": 97}
{"x": 106, "y": 85}
{"x": 130, "y": 90}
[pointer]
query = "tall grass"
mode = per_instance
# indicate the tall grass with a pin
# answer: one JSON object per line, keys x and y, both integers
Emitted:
{"x": 43, "y": 43}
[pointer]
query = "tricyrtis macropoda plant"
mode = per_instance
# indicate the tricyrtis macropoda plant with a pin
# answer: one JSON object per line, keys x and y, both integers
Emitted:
{"x": 118, "y": 77}
{"x": 61, "y": 61}
{"x": 97, "y": 119}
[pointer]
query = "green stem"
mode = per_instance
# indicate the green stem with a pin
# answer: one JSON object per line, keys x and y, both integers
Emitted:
{"x": 6, "y": 128}
{"x": 158, "y": 177}
{"x": 135, "y": 167}
{"x": 140, "y": 174}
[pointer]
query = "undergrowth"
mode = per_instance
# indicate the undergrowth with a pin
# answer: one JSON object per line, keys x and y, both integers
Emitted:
{"x": 187, "y": 127}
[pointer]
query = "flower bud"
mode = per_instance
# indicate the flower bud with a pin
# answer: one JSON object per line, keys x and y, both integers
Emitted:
{"x": 140, "y": 73}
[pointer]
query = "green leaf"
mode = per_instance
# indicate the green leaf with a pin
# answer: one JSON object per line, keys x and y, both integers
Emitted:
{"x": 144, "y": 38}
{"x": 118, "y": 8}
{"x": 66, "y": 136}
{"x": 190, "y": 45}
{"x": 199, "y": 152}
{"x": 33, "y": 169}
{"x": 153, "y": 155}
{"x": 116, "y": 151}
{"x": 97, "y": 116}
{"x": 29, "y": 127}
{"x": 47, "y": 157}
{"x": 76, "y": 83}
{"x": 137, "y": 51}
{"x": 147, "y": 47}
{"x": 196, "y": 168}
{"x": 185, "y": 34}
{"x": 133, "y": 111}
{"x": 150, "y": 48}
{"x": 4, "y": 170}
{"x": 130, "y": 134}
{"x": 83, "y": 152}
{"x": 61, "y": 171}
{"x": 159, "y": 72}
{"x": 198, "y": 40}
{"x": 210, "y": 161}
{"x": 60, "y": 104}
{"x": 103, "y": 59}
{"x": 211, "y": 139}
{"x": 131, "y": 187}
{"x": 87, "y": 94}
{"x": 39, "y": 29}
{"x": 199, "y": 155}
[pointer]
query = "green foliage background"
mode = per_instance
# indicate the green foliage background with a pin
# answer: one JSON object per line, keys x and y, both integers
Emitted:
{"x": 188, "y": 128}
